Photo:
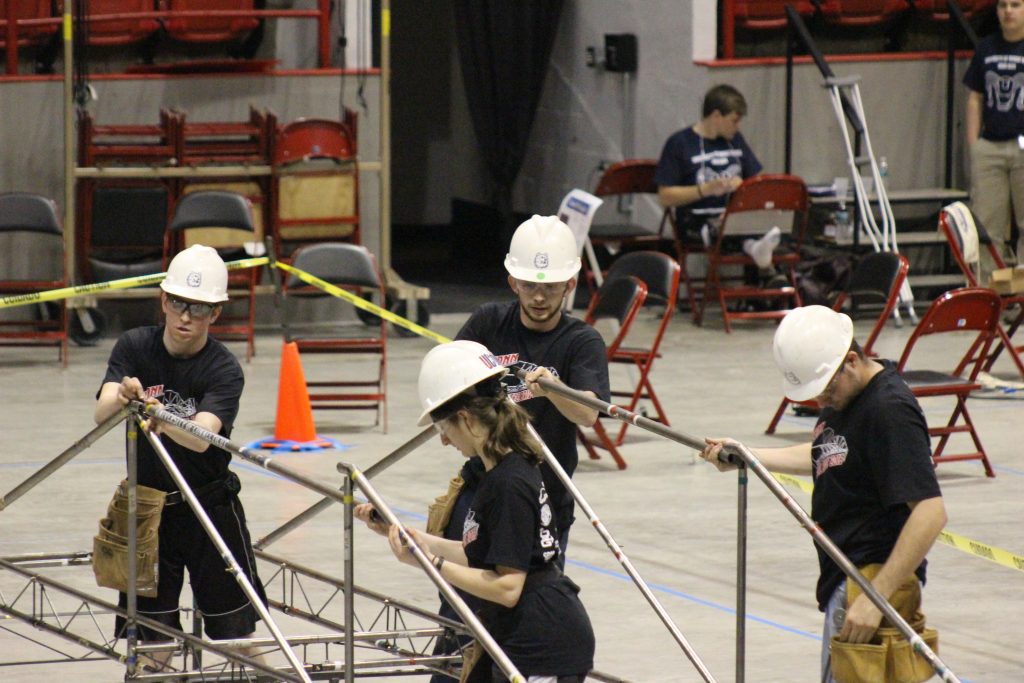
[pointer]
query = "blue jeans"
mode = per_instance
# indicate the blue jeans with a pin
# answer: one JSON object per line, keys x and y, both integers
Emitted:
{"x": 835, "y": 612}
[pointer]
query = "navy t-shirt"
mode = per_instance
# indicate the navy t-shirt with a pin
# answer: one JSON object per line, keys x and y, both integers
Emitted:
{"x": 691, "y": 159}
{"x": 869, "y": 460}
{"x": 209, "y": 382}
{"x": 511, "y": 524}
{"x": 997, "y": 71}
{"x": 573, "y": 351}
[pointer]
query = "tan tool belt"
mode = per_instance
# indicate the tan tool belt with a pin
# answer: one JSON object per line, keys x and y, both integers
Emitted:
{"x": 889, "y": 657}
{"x": 440, "y": 511}
{"x": 110, "y": 545}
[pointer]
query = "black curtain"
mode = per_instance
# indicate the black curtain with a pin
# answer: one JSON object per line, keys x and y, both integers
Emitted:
{"x": 504, "y": 49}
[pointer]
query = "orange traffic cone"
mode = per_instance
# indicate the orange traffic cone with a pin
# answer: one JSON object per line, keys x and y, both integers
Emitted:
{"x": 294, "y": 413}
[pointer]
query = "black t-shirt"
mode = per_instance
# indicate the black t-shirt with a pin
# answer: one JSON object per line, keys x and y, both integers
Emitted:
{"x": 997, "y": 71}
{"x": 210, "y": 381}
{"x": 511, "y": 524}
{"x": 869, "y": 460}
{"x": 573, "y": 351}
{"x": 691, "y": 159}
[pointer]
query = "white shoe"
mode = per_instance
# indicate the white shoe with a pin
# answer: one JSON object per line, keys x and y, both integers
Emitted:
{"x": 761, "y": 250}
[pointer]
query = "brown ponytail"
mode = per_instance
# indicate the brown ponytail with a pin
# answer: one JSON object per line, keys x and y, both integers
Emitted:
{"x": 508, "y": 427}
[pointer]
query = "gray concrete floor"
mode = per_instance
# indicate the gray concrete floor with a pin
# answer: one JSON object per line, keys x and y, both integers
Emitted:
{"x": 674, "y": 517}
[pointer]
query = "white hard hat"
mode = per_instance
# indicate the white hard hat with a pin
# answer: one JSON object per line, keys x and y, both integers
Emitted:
{"x": 809, "y": 347}
{"x": 543, "y": 249}
{"x": 449, "y": 369}
{"x": 198, "y": 274}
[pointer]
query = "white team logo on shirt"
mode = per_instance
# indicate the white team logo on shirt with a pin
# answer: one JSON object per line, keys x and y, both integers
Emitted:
{"x": 1004, "y": 92}
{"x": 545, "y": 514}
{"x": 832, "y": 451}
{"x": 470, "y": 528}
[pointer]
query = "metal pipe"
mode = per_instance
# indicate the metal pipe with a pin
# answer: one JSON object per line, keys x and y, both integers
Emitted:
{"x": 741, "y": 573}
{"x": 454, "y": 599}
{"x": 619, "y": 554}
{"x": 746, "y": 457}
{"x": 132, "y": 633}
{"x": 69, "y": 146}
{"x": 349, "y": 576}
{"x": 226, "y": 444}
{"x": 324, "y": 503}
{"x": 225, "y": 553}
{"x": 49, "y": 468}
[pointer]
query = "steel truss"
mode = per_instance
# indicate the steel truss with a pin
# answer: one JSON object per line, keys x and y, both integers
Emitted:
{"x": 393, "y": 637}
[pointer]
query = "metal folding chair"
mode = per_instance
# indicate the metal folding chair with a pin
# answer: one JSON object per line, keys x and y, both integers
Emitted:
{"x": 660, "y": 273}
{"x": 351, "y": 267}
{"x": 966, "y": 239}
{"x": 29, "y": 224}
{"x": 779, "y": 200}
{"x": 619, "y": 299}
{"x": 876, "y": 280}
{"x": 224, "y": 221}
{"x": 971, "y": 312}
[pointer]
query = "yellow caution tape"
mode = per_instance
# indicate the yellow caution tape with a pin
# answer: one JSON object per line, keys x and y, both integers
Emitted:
{"x": 962, "y": 543}
{"x": 124, "y": 283}
{"x": 360, "y": 302}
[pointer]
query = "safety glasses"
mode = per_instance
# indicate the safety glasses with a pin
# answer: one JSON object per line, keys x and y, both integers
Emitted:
{"x": 193, "y": 308}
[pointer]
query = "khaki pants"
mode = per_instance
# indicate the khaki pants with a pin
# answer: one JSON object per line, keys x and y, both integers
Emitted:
{"x": 997, "y": 193}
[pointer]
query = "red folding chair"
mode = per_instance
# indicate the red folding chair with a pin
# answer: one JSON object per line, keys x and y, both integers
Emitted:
{"x": 351, "y": 267}
{"x": 876, "y": 280}
{"x": 224, "y": 221}
{"x": 660, "y": 273}
{"x": 619, "y": 299}
{"x": 862, "y": 12}
{"x": 778, "y": 200}
{"x": 31, "y": 235}
{"x": 957, "y": 223}
{"x": 122, "y": 30}
{"x": 315, "y": 195}
{"x": 209, "y": 29}
{"x": 621, "y": 182}
{"x": 963, "y": 315}
{"x": 28, "y": 34}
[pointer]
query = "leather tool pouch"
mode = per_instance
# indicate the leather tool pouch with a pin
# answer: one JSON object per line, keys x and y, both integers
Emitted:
{"x": 889, "y": 657}
{"x": 110, "y": 545}
{"x": 440, "y": 511}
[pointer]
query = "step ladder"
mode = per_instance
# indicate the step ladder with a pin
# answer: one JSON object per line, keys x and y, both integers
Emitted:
{"x": 845, "y": 92}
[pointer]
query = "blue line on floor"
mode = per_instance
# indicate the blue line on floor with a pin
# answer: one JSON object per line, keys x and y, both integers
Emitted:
{"x": 691, "y": 598}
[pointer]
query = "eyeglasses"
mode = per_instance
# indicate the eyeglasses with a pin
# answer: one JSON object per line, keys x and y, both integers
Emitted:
{"x": 547, "y": 289}
{"x": 830, "y": 388}
{"x": 193, "y": 308}
{"x": 441, "y": 426}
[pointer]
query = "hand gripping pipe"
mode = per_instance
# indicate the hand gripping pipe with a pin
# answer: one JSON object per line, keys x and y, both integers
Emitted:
{"x": 454, "y": 599}
{"x": 740, "y": 454}
{"x": 225, "y": 553}
{"x": 267, "y": 462}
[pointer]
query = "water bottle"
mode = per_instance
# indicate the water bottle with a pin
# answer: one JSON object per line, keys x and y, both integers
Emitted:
{"x": 844, "y": 229}
{"x": 883, "y": 169}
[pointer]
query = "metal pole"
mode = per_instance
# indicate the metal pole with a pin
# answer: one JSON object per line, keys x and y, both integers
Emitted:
{"x": 385, "y": 137}
{"x": 69, "y": 144}
{"x": 49, "y": 468}
{"x": 350, "y": 582}
{"x": 225, "y": 553}
{"x": 621, "y": 556}
{"x": 741, "y": 573}
{"x": 132, "y": 633}
{"x": 741, "y": 454}
{"x": 324, "y": 503}
{"x": 454, "y": 599}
